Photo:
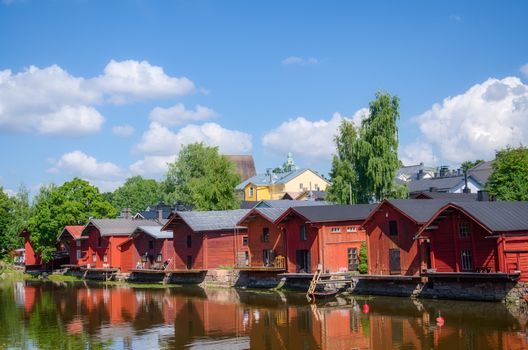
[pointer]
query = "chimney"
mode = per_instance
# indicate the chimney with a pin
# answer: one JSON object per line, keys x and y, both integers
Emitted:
{"x": 160, "y": 214}
{"x": 483, "y": 196}
{"x": 444, "y": 171}
{"x": 420, "y": 174}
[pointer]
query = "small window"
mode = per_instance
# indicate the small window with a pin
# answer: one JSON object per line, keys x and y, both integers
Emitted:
{"x": 151, "y": 244}
{"x": 94, "y": 258}
{"x": 78, "y": 244}
{"x": 159, "y": 258}
{"x": 302, "y": 233}
{"x": 245, "y": 240}
{"x": 463, "y": 230}
{"x": 268, "y": 256}
{"x": 316, "y": 186}
{"x": 251, "y": 191}
{"x": 189, "y": 241}
{"x": 301, "y": 186}
{"x": 189, "y": 262}
{"x": 351, "y": 229}
{"x": 335, "y": 229}
{"x": 265, "y": 234}
{"x": 144, "y": 257}
{"x": 467, "y": 261}
{"x": 78, "y": 255}
{"x": 105, "y": 258}
{"x": 393, "y": 228}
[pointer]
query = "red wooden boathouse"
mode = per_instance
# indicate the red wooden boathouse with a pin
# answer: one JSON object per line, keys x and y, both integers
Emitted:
{"x": 71, "y": 241}
{"x": 207, "y": 239}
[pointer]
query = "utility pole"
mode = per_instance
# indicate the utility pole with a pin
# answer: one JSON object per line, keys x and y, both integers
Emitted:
{"x": 350, "y": 193}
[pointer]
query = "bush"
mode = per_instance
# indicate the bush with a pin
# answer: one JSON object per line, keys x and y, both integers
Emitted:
{"x": 363, "y": 264}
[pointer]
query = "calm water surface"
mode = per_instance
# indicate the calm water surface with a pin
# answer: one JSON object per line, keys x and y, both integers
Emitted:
{"x": 81, "y": 316}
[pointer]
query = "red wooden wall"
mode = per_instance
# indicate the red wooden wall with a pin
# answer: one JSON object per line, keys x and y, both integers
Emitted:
{"x": 336, "y": 245}
{"x": 292, "y": 228}
{"x": 516, "y": 254}
{"x": 31, "y": 257}
{"x": 134, "y": 249}
{"x": 109, "y": 246}
{"x": 256, "y": 246}
{"x": 379, "y": 242}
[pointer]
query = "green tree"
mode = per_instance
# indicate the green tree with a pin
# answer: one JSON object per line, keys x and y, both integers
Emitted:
{"x": 509, "y": 178}
{"x": 465, "y": 166}
{"x": 367, "y": 160}
{"x": 203, "y": 178}
{"x": 363, "y": 261}
{"x": 344, "y": 180}
{"x": 5, "y": 212}
{"x": 73, "y": 203}
{"x": 399, "y": 191}
{"x": 137, "y": 194}
{"x": 19, "y": 213}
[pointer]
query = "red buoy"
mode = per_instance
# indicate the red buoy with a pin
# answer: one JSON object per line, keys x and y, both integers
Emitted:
{"x": 440, "y": 320}
{"x": 366, "y": 308}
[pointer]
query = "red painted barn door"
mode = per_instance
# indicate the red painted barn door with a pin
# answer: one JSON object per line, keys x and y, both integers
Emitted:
{"x": 394, "y": 262}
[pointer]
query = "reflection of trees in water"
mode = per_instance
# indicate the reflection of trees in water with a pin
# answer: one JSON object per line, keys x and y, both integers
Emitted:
{"x": 68, "y": 317}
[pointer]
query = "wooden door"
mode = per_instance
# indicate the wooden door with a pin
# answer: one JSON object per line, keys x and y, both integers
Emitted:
{"x": 302, "y": 260}
{"x": 352, "y": 259}
{"x": 394, "y": 262}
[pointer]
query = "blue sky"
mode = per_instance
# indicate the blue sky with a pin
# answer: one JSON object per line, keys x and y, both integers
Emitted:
{"x": 108, "y": 89}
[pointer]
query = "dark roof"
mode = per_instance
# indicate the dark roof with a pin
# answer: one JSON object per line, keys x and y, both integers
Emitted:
{"x": 154, "y": 232}
{"x": 420, "y": 210}
{"x": 459, "y": 197}
{"x": 245, "y": 165}
{"x": 481, "y": 172}
{"x": 286, "y": 203}
{"x": 328, "y": 213}
{"x": 118, "y": 227}
{"x": 498, "y": 216}
{"x": 248, "y": 204}
{"x": 440, "y": 183}
{"x": 153, "y": 214}
{"x": 218, "y": 220}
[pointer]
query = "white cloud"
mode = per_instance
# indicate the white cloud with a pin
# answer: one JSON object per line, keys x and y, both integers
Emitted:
{"x": 159, "y": 140}
{"x": 524, "y": 70}
{"x": 473, "y": 125}
{"x": 416, "y": 153}
{"x": 300, "y": 61}
{"x": 177, "y": 114}
{"x": 123, "y": 130}
{"x": 9, "y": 192}
{"x": 80, "y": 164}
{"x": 131, "y": 79}
{"x": 152, "y": 166}
{"x": 52, "y": 101}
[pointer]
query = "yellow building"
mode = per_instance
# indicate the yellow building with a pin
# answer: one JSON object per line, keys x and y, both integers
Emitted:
{"x": 274, "y": 186}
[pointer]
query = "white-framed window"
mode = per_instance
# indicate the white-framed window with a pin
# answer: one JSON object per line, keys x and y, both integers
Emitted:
{"x": 467, "y": 261}
{"x": 159, "y": 257}
{"x": 78, "y": 244}
{"x": 105, "y": 258}
{"x": 94, "y": 258}
{"x": 316, "y": 186}
{"x": 335, "y": 229}
{"x": 463, "y": 229}
{"x": 78, "y": 254}
{"x": 352, "y": 229}
{"x": 251, "y": 191}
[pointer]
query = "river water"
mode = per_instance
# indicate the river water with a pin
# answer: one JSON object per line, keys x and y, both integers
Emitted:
{"x": 46, "y": 315}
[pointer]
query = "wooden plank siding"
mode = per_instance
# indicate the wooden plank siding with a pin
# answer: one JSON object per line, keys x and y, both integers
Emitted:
{"x": 135, "y": 248}
{"x": 257, "y": 245}
{"x": 380, "y": 242}
{"x": 516, "y": 254}
{"x": 109, "y": 247}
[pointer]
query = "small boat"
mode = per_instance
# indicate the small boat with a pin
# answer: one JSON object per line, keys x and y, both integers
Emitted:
{"x": 324, "y": 294}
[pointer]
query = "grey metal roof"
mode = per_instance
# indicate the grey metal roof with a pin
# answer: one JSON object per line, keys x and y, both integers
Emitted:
{"x": 212, "y": 220}
{"x": 498, "y": 216}
{"x": 481, "y": 172}
{"x": 287, "y": 203}
{"x": 330, "y": 213}
{"x": 420, "y": 210}
{"x": 118, "y": 227}
{"x": 440, "y": 183}
{"x": 248, "y": 204}
{"x": 271, "y": 213}
{"x": 458, "y": 197}
{"x": 154, "y": 231}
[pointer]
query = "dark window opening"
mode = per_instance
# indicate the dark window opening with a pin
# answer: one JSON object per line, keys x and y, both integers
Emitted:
{"x": 463, "y": 230}
{"x": 302, "y": 233}
{"x": 189, "y": 241}
{"x": 268, "y": 255}
{"x": 99, "y": 242}
{"x": 265, "y": 234}
{"x": 467, "y": 261}
{"x": 189, "y": 262}
{"x": 151, "y": 244}
{"x": 393, "y": 228}
{"x": 245, "y": 240}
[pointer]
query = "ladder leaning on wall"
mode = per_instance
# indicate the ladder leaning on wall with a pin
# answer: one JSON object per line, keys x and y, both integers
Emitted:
{"x": 313, "y": 284}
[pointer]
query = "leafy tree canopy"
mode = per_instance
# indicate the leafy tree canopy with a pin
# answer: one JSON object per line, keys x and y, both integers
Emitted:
{"x": 203, "y": 178}
{"x": 137, "y": 194}
{"x": 509, "y": 178}
{"x": 367, "y": 159}
{"x": 5, "y": 209}
{"x": 73, "y": 203}
{"x": 18, "y": 214}
{"x": 465, "y": 166}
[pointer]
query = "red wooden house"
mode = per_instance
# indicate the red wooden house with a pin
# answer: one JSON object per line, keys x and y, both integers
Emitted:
{"x": 148, "y": 247}
{"x": 264, "y": 241}
{"x": 478, "y": 236}
{"x": 31, "y": 258}
{"x": 207, "y": 239}
{"x": 329, "y": 235}
{"x": 104, "y": 237}
{"x": 71, "y": 241}
{"x": 391, "y": 229}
